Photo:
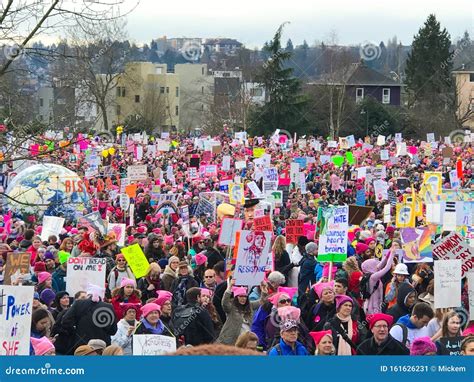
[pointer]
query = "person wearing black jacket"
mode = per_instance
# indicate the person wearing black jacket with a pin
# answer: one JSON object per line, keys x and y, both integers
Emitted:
{"x": 198, "y": 329}
{"x": 90, "y": 319}
{"x": 381, "y": 343}
{"x": 406, "y": 297}
{"x": 307, "y": 276}
{"x": 182, "y": 284}
{"x": 212, "y": 254}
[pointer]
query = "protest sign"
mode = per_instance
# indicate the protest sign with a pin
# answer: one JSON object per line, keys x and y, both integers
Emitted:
{"x": 124, "y": 202}
{"x": 153, "y": 344}
{"x": 360, "y": 197}
{"x": 137, "y": 173}
{"x": 258, "y": 152}
{"x": 236, "y": 193}
{"x": 226, "y": 163}
{"x": 255, "y": 190}
{"x": 167, "y": 204}
{"x": 334, "y": 224}
{"x": 82, "y": 271}
{"x": 229, "y": 227}
{"x": 270, "y": 185}
{"x": 447, "y": 283}
{"x": 136, "y": 260}
{"x": 380, "y": 140}
{"x": 274, "y": 197}
{"x": 386, "y": 213}
{"x": 416, "y": 245}
{"x": 52, "y": 226}
{"x": 454, "y": 246}
{"x": 357, "y": 214}
{"x": 240, "y": 164}
{"x": 17, "y": 263}
{"x": 470, "y": 285}
{"x": 270, "y": 174}
{"x": 294, "y": 229}
{"x": 93, "y": 221}
{"x": 263, "y": 223}
{"x": 252, "y": 257}
{"x": 433, "y": 179}
{"x": 381, "y": 190}
{"x": 405, "y": 215}
{"x": 193, "y": 173}
{"x": 15, "y": 319}
{"x": 119, "y": 231}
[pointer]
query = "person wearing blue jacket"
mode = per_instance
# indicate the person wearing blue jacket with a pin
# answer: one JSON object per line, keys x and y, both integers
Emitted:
{"x": 289, "y": 344}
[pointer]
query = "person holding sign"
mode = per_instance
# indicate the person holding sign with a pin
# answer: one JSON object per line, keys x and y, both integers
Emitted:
{"x": 150, "y": 322}
{"x": 126, "y": 326}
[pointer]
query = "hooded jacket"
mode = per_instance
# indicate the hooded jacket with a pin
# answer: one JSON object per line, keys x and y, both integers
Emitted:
{"x": 400, "y": 309}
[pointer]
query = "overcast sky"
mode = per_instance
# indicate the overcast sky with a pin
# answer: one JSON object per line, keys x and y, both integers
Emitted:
{"x": 254, "y": 21}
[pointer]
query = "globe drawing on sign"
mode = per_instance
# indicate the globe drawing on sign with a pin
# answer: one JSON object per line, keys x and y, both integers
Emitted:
{"x": 47, "y": 189}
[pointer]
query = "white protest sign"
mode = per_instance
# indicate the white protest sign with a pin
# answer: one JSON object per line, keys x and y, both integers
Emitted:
{"x": 384, "y": 155}
{"x": 361, "y": 172}
{"x": 333, "y": 235}
{"x": 433, "y": 213}
{"x": 386, "y": 213}
{"x": 82, "y": 271}
{"x": 139, "y": 153}
{"x": 332, "y": 144}
{"x": 430, "y": 137}
{"x": 119, "y": 231}
{"x": 137, "y": 173}
{"x": 380, "y": 140}
{"x": 162, "y": 145}
{"x": 447, "y": 284}
{"x": 294, "y": 171}
{"x": 229, "y": 227}
{"x": 270, "y": 174}
{"x": 252, "y": 257}
{"x": 15, "y": 319}
{"x": 324, "y": 159}
{"x": 381, "y": 190}
{"x": 398, "y": 137}
{"x": 270, "y": 185}
{"x": 226, "y": 163}
{"x": 124, "y": 202}
{"x": 153, "y": 344}
{"x": 470, "y": 285}
{"x": 401, "y": 149}
{"x": 255, "y": 190}
{"x": 240, "y": 164}
{"x": 52, "y": 225}
{"x": 454, "y": 246}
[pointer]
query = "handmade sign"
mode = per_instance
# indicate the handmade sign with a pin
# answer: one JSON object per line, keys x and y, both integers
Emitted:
{"x": 263, "y": 223}
{"x": 405, "y": 215}
{"x": 137, "y": 173}
{"x": 236, "y": 193}
{"x": 93, "y": 221}
{"x": 447, "y": 283}
{"x": 333, "y": 226}
{"x": 252, "y": 257}
{"x": 167, "y": 204}
{"x": 136, "y": 260}
{"x": 229, "y": 227}
{"x": 416, "y": 245}
{"x": 294, "y": 229}
{"x": 434, "y": 180}
{"x": 15, "y": 319}
{"x": 451, "y": 345}
{"x": 52, "y": 226}
{"x": 454, "y": 246}
{"x": 82, "y": 271}
{"x": 153, "y": 344}
{"x": 119, "y": 232}
{"x": 17, "y": 264}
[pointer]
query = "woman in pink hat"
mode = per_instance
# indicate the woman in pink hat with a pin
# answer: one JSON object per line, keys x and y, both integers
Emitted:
{"x": 126, "y": 293}
{"x": 323, "y": 342}
{"x": 150, "y": 322}
{"x": 126, "y": 327}
{"x": 206, "y": 302}
{"x": 324, "y": 309}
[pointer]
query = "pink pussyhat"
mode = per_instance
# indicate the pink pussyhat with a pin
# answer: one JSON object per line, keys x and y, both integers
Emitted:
{"x": 206, "y": 292}
{"x": 43, "y": 276}
{"x": 239, "y": 291}
{"x": 200, "y": 258}
{"x": 41, "y": 345}
{"x": 162, "y": 297}
{"x": 126, "y": 281}
{"x": 150, "y": 307}
{"x": 320, "y": 287}
{"x": 96, "y": 292}
{"x": 289, "y": 313}
{"x": 288, "y": 290}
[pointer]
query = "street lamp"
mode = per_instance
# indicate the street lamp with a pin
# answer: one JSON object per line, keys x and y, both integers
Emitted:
{"x": 366, "y": 112}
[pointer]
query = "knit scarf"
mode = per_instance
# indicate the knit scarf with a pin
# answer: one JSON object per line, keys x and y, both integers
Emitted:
{"x": 343, "y": 348}
{"x": 152, "y": 329}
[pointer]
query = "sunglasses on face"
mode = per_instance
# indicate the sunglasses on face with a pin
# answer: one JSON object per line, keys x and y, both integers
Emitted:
{"x": 208, "y": 277}
{"x": 285, "y": 301}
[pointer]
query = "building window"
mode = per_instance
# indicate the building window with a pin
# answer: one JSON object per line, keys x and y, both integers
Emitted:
{"x": 137, "y": 98}
{"x": 359, "y": 94}
{"x": 118, "y": 110}
{"x": 176, "y": 110}
{"x": 162, "y": 90}
{"x": 256, "y": 92}
{"x": 202, "y": 69}
{"x": 386, "y": 95}
{"x": 167, "y": 90}
{"x": 61, "y": 101}
{"x": 471, "y": 77}
{"x": 41, "y": 102}
{"x": 120, "y": 91}
{"x": 177, "y": 91}
{"x": 226, "y": 74}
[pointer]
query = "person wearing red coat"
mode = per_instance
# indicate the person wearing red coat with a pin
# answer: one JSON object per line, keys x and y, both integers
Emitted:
{"x": 127, "y": 293}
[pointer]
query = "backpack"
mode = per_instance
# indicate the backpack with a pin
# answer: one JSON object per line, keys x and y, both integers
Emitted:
{"x": 277, "y": 347}
{"x": 405, "y": 333}
{"x": 182, "y": 317}
{"x": 364, "y": 286}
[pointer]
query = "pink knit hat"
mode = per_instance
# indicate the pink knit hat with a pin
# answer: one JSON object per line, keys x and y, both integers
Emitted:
{"x": 150, "y": 307}
{"x": 422, "y": 345}
{"x": 169, "y": 240}
{"x": 289, "y": 313}
{"x": 200, "y": 258}
{"x": 318, "y": 336}
{"x": 206, "y": 292}
{"x": 361, "y": 248}
{"x": 289, "y": 291}
{"x": 239, "y": 291}
{"x": 41, "y": 345}
{"x": 126, "y": 281}
{"x": 341, "y": 299}
{"x": 326, "y": 271}
{"x": 320, "y": 287}
{"x": 162, "y": 297}
{"x": 43, "y": 276}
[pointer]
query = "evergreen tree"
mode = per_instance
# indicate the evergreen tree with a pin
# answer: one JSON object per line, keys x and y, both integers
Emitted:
{"x": 289, "y": 45}
{"x": 285, "y": 107}
{"x": 429, "y": 64}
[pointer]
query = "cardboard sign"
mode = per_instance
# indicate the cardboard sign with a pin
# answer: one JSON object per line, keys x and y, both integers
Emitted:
{"x": 93, "y": 221}
{"x": 136, "y": 260}
{"x": 119, "y": 231}
{"x": 15, "y": 319}
{"x": 263, "y": 223}
{"x": 447, "y": 283}
{"x": 124, "y": 201}
{"x": 52, "y": 225}
{"x": 17, "y": 263}
{"x": 137, "y": 173}
{"x": 226, "y": 163}
{"x": 153, "y": 344}
{"x": 236, "y": 193}
{"x": 229, "y": 227}
{"x": 82, "y": 271}
{"x": 294, "y": 229}
{"x": 453, "y": 247}
{"x": 334, "y": 224}
{"x": 252, "y": 257}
